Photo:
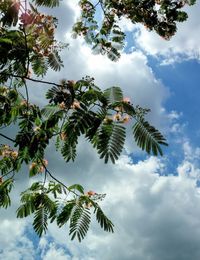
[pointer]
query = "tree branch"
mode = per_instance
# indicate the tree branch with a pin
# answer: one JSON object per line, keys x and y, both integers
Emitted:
{"x": 55, "y": 179}
{"x": 8, "y": 138}
{"x": 31, "y": 79}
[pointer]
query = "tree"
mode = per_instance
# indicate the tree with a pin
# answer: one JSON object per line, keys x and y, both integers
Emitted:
{"x": 27, "y": 49}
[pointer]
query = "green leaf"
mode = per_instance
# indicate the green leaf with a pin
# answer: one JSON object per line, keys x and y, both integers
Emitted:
{"x": 113, "y": 94}
{"x": 50, "y": 110}
{"x": 39, "y": 65}
{"x": 5, "y": 189}
{"x": 40, "y": 220}
{"x": 48, "y": 3}
{"x": 36, "y": 201}
{"x": 5, "y": 40}
{"x": 148, "y": 138}
{"x": 104, "y": 222}
{"x": 77, "y": 187}
{"x": 56, "y": 189}
{"x": 55, "y": 61}
{"x": 26, "y": 209}
{"x": 110, "y": 141}
{"x": 65, "y": 214}
{"x": 79, "y": 222}
{"x": 68, "y": 150}
{"x": 59, "y": 94}
{"x": 79, "y": 123}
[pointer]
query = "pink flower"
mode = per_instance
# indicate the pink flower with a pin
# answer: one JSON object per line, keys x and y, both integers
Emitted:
{"x": 127, "y": 100}
{"x": 90, "y": 193}
{"x": 117, "y": 117}
{"x": 126, "y": 119}
{"x": 26, "y": 19}
{"x": 45, "y": 162}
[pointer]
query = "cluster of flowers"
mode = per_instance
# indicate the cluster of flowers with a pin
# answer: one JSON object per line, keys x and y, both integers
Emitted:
{"x": 89, "y": 194}
{"x": 75, "y": 105}
{"x": 41, "y": 28}
{"x": 38, "y": 167}
{"x": 7, "y": 151}
{"x": 4, "y": 90}
{"x": 119, "y": 116}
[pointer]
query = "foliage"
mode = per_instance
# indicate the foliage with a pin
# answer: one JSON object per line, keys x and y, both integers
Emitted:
{"x": 28, "y": 48}
{"x": 107, "y": 37}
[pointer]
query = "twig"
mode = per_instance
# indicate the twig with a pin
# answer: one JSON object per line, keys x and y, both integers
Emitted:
{"x": 45, "y": 177}
{"x": 54, "y": 178}
{"x": 5, "y": 174}
{"x": 27, "y": 95}
{"x": 8, "y": 138}
{"x": 31, "y": 79}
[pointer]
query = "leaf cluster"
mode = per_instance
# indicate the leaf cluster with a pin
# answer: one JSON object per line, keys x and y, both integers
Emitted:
{"x": 74, "y": 108}
{"x": 106, "y": 36}
{"x": 44, "y": 203}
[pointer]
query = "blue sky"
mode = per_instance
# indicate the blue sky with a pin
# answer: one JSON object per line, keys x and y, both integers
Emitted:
{"x": 153, "y": 202}
{"x": 182, "y": 79}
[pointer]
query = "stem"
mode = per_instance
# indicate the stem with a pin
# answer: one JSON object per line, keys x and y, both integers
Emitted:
{"x": 55, "y": 179}
{"x": 8, "y": 138}
{"x": 27, "y": 95}
{"x": 7, "y": 173}
{"x": 31, "y": 79}
{"x": 45, "y": 177}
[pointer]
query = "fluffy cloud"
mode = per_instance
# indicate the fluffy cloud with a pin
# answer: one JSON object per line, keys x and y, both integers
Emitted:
{"x": 155, "y": 217}
{"x": 52, "y": 251}
{"x": 184, "y": 45}
{"x": 13, "y": 242}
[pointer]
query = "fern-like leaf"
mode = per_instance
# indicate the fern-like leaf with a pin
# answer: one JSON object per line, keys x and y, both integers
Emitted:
{"x": 110, "y": 141}
{"x": 39, "y": 65}
{"x": 148, "y": 138}
{"x": 50, "y": 110}
{"x": 104, "y": 222}
{"x": 79, "y": 222}
{"x": 26, "y": 209}
{"x": 113, "y": 94}
{"x": 55, "y": 61}
{"x": 68, "y": 150}
{"x": 60, "y": 94}
{"x": 5, "y": 189}
{"x": 40, "y": 220}
{"x": 65, "y": 214}
{"x": 48, "y": 3}
{"x": 79, "y": 123}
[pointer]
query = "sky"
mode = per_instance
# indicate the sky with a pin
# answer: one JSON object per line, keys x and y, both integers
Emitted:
{"x": 154, "y": 202}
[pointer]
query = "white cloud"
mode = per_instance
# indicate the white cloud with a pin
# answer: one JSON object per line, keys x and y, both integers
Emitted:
{"x": 55, "y": 252}
{"x": 155, "y": 217}
{"x": 184, "y": 45}
{"x": 13, "y": 242}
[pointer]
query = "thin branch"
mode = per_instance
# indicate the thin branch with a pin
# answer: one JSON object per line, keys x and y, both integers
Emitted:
{"x": 27, "y": 95}
{"x": 7, "y": 173}
{"x": 55, "y": 179}
{"x": 45, "y": 178}
{"x": 31, "y": 79}
{"x": 104, "y": 11}
{"x": 96, "y": 4}
{"x": 8, "y": 138}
